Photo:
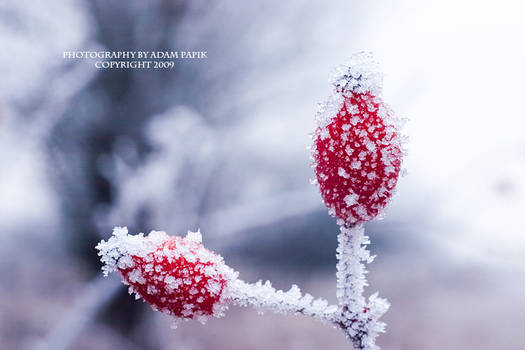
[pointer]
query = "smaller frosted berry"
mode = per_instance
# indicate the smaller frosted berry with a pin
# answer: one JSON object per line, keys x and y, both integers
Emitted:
{"x": 175, "y": 275}
{"x": 357, "y": 150}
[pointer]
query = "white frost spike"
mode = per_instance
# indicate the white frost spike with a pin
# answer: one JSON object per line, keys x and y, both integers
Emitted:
{"x": 194, "y": 236}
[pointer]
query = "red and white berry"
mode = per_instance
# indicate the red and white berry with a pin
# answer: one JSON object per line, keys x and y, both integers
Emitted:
{"x": 357, "y": 151}
{"x": 175, "y": 275}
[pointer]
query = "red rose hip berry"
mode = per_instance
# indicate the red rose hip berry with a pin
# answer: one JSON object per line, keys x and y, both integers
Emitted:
{"x": 175, "y": 275}
{"x": 357, "y": 150}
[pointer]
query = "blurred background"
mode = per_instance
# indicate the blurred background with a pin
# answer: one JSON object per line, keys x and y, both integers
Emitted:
{"x": 221, "y": 144}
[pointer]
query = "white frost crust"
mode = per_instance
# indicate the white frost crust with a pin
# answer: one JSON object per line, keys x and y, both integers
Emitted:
{"x": 327, "y": 111}
{"x": 117, "y": 251}
{"x": 360, "y": 74}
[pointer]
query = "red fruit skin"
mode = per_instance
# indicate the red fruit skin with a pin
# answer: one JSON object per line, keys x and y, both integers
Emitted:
{"x": 194, "y": 288}
{"x": 369, "y": 173}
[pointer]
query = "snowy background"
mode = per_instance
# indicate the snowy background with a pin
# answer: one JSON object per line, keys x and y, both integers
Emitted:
{"x": 221, "y": 144}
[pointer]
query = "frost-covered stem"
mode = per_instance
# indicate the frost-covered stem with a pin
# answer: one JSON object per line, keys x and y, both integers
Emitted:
{"x": 351, "y": 279}
{"x": 354, "y": 315}
{"x": 262, "y": 296}
{"x": 358, "y": 318}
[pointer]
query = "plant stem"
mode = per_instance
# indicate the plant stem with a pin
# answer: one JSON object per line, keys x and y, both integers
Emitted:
{"x": 354, "y": 315}
{"x": 262, "y": 296}
{"x": 358, "y": 318}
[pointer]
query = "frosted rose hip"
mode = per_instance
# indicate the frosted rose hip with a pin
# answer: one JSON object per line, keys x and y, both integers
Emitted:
{"x": 357, "y": 150}
{"x": 175, "y": 275}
